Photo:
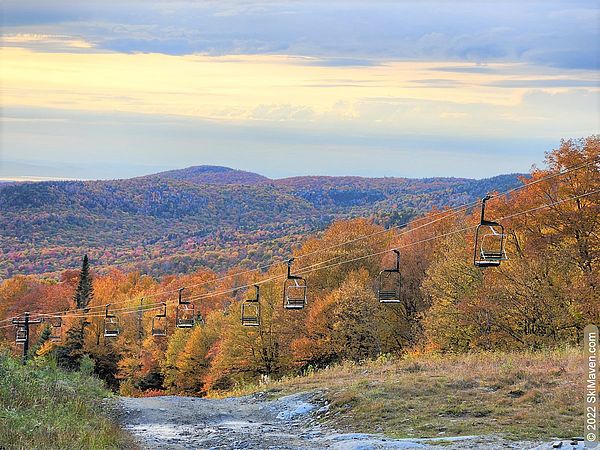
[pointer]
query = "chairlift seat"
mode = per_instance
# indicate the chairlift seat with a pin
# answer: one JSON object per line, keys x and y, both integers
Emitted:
{"x": 111, "y": 327}
{"x": 159, "y": 323}
{"x": 388, "y": 297}
{"x": 249, "y": 321}
{"x": 159, "y": 326}
{"x": 159, "y": 332}
{"x": 55, "y": 337}
{"x": 295, "y": 296}
{"x": 491, "y": 255}
{"x": 295, "y": 303}
{"x": 56, "y": 329}
{"x": 21, "y": 335}
{"x": 294, "y": 290}
{"x": 489, "y": 263}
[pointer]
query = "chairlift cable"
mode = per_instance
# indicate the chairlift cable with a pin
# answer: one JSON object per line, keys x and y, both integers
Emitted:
{"x": 313, "y": 269}
{"x": 549, "y": 205}
{"x": 445, "y": 214}
{"x": 456, "y": 209}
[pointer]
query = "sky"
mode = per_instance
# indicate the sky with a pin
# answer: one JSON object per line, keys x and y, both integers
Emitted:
{"x": 113, "y": 89}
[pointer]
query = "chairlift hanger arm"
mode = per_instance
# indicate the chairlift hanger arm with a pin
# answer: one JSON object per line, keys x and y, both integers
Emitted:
{"x": 483, "y": 220}
{"x": 180, "y": 299}
{"x": 106, "y": 314}
{"x": 397, "y": 252}
{"x": 256, "y": 297}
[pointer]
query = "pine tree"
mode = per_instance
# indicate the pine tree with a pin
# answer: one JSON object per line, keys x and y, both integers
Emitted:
{"x": 85, "y": 290}
{"x": 69, "y": 354}
{"x": 44, "y": 337}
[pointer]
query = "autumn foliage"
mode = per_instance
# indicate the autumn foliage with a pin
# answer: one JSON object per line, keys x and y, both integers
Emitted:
{"x": 542, "y": 296}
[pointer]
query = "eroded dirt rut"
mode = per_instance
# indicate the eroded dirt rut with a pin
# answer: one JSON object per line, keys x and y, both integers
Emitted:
{"x": 254, "y": 422}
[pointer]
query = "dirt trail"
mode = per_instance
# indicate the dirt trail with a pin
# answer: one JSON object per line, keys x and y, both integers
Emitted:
{"x": 254, "y": 422}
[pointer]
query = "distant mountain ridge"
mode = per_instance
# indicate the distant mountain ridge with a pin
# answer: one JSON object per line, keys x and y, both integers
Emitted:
{"x": 180, "y": 220}
{"x": 211, "y": 175}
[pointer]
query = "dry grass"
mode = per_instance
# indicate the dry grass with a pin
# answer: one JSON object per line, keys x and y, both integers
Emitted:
{"x": 517, "y": 395}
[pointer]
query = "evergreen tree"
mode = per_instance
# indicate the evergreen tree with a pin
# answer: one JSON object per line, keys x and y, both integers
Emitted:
{"x": 85, "y": 290}
{"x": 44, "y": 337}
{"x": 69, "y": 354}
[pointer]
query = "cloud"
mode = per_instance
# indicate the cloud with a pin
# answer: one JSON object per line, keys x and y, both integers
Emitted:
{"x": 437, "y": 83}
{"x": 278, "y": 112}
{"x": 465, "y": 69}
{"x": 47, "y": 42}
{"x": 554, "y": 33}
{"x": 546, "y": 83}
{"x": 241, "y": 83}
{"x": 338, "y": 62}
{"x": 125, "y": 145}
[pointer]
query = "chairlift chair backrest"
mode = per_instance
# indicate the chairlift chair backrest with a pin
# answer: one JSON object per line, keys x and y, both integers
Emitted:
{"x": 294, "y": 290}
{"x": 111, "y": 324}
{"x": 159, "y": 322}
{"x": 390, "y": 283}
{"x": 489, "y": 241}
{"x": 251, "y": 310}
{"x": 55, "y": 328}
{"x": 185, "y": 313}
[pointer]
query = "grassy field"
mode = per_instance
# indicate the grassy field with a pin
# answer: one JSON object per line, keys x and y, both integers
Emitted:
{"x": 516, "y": 395}
{"x": 46, "y": 408}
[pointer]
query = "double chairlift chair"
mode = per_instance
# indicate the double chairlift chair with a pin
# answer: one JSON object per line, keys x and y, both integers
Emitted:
{"x": 20, "y": 335}
{"x": 390, "y": 283}
{"x": 159, "y": 322}
{"x": 55, "y": 328}
{"x": 489, "y": 241}
{"x": 111, "y": 324}
{"x": 294, "y": 290}
{"x": 185, "y": 313}
{"x": 251, "y": 310}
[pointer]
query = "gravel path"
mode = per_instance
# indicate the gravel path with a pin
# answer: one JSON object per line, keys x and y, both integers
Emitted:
{"x": 253, "y": 422}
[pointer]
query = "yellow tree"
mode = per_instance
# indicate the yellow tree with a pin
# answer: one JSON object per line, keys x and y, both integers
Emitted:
{"x": 169, "y": 366}
{"x": 194, "y": 360}
{"x": 244, "y": 353}
{"x": 342, "y": 325}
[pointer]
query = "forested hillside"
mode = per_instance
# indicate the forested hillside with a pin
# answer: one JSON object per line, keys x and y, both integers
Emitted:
{"x": 178, "y": 221}
{"x": 540, "y": 298}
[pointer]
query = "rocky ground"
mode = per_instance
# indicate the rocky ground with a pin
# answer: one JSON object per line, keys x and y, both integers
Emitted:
{"x": 255, "y": 422}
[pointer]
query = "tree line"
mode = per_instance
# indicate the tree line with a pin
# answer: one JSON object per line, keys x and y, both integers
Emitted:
{"x": 542, "y": 297}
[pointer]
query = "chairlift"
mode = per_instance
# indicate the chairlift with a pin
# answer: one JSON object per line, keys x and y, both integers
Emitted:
{"x": 489, "y": 241}
{"x": 390, "y": 283}
{"x": 55, "y": 328}
{"x": 20, "y": 334}
{"x": 251, "y": 310}
{"x": 294, "y": 290}
{"x": 159, "y": 322}
{"x": 185, "y": 313}
{"x": 111, "y": 324}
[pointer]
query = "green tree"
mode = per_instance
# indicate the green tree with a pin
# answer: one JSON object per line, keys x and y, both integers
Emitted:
{"x": 44, "y": 337}
{"x": 69, "y": 354}
{"x": 85, "y": 291}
